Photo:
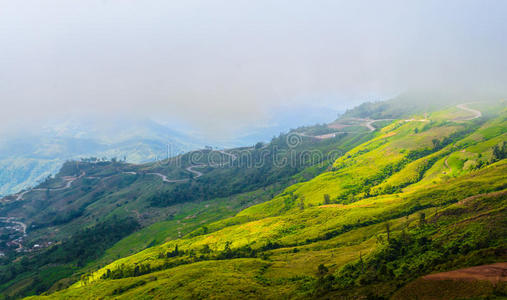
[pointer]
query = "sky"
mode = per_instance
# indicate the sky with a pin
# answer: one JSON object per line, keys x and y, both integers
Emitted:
{"x": 226, "y": 65}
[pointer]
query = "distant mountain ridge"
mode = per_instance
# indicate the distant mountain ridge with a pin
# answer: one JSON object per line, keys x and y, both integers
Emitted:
{"x": 28, "y": 158}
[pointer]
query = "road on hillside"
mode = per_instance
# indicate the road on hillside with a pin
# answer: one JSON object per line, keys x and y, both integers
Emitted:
{"x": 164, "y": 178}
{"x": 13, "y": 221}
{"x": 366, "y": 123}
{"x": 23, "y": 230}
{"x": 197, "y": 173}
{"x": 68, "y": 183}
{"x": 191, "y": 169}
{"x": 477, "y": 113}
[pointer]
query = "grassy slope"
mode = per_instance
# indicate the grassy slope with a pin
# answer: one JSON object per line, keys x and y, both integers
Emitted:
{"x": 106, "y": 192}
{"x": 336, "y": 234}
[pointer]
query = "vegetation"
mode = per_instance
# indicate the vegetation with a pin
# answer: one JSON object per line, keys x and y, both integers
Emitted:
{"x": 415, "y": 197}
{"x": 102, "y": 190}
{"x": 64, "y": 258}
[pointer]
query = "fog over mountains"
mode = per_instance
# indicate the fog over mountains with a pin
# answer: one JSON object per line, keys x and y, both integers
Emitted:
{"x": 29, "y": 155}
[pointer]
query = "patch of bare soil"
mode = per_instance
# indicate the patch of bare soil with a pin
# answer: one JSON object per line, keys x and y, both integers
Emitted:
{"x": 493, "y": 273}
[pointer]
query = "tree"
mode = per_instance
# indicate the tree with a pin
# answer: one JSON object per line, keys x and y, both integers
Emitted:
{"x": 322, "y": 270}
{"x": 205, "y": 249}
{"x": 422, "y": 218}
{"x": 499, "y": 152}
{"x": 327, "y": 199}
{"x": 301, "y": 203}
{"x": 388, "y": 230}
{"x": 84, "y": 278}
{"x": 361, "y": 262}
{"x": 227, "y": 246}
{"x": 227, "y": 250}
{"x": 436, "y": 143}
{"x": 173, "y": 253}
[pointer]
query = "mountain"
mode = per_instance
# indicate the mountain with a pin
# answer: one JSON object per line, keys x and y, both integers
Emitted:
{"x": 28, "y": 158}
{"x": 364, "y": 207}
{"x": 131, "y": 207}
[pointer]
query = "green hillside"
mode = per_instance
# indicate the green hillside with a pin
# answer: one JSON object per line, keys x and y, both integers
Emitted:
{"x": 94, "y": 212}
{"x": 425, "y": 193}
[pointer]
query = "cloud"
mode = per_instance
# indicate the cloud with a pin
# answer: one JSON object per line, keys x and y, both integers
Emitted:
{"x": 223, "y": 65}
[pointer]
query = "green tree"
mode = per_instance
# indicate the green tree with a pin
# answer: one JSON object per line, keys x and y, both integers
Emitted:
{"x": 301, "y": 203}
{"x": 422, "y": 218}
{"x": 227, "y": 250}
{"x": 205, "y": 249}
{"x": 436, "y": 143}
{"x": 327, "y": 199}
{"x": 322, "y": 270}
{"x": 499, "y": 152}
{"x": 388, "y": 230}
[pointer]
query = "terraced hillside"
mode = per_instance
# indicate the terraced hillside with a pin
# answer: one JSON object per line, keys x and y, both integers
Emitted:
{"x": 424, "y": 194}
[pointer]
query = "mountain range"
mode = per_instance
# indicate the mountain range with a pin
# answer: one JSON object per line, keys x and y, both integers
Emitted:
{"x": 30, "y": 155}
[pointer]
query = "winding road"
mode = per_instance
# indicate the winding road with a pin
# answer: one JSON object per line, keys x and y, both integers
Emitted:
{"x": 13, "y": 221}
{"x": 368, "y": 122}
{"x": 68, "y": 183}
{"x": 17, "y": 241}
{"x": 477, "y": 113}
{"x": 190, "y": 169}
{"x": 164, "y": 178}
{"x": 197, "y": 173}
{"x": 373, "y": 121}
{"x": 20, "y": 195}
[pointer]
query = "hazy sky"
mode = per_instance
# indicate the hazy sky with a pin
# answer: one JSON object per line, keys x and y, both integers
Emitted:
{"x": 226, "y": 64}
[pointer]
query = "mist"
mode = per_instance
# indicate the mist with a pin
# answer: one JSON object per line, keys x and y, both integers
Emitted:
{"x": 222, "y": 66}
